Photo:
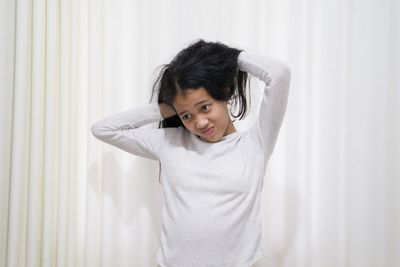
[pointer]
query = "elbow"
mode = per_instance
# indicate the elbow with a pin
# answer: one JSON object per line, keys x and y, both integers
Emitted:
{"x": 102, "y": 131}
{"x": 96, "y": 130}
{"x": 288, "y": 72}
{"x": 284, "y": 74}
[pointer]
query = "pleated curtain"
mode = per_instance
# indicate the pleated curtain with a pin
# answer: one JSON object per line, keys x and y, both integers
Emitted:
{"x": 331, "y": 190}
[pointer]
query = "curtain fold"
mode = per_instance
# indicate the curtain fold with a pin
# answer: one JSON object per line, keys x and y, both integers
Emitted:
{"x": 330, "y": 193}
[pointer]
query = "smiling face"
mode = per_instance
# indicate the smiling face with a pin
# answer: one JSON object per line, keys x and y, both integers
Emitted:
{"x": 202, "y": 115}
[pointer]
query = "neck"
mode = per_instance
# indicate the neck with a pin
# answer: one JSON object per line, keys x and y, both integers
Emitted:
{"x": 230, "y": 129}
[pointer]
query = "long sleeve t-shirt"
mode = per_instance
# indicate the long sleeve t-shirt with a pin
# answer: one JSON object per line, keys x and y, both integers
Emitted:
{"x": 211, "y": 213}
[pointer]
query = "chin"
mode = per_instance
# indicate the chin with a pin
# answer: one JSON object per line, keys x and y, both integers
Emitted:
{"x": 214, "y": 139}
{"x": 210, "y": 140}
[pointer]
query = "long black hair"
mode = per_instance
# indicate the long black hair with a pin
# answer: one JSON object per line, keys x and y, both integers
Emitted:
{"x": 211, "y": 65}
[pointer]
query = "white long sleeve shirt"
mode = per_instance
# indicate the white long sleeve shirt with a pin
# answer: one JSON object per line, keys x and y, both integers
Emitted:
{"x": 211, "y": 191}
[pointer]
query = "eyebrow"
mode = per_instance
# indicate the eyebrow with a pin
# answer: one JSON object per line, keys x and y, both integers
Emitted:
{"x": 198, "y": 103}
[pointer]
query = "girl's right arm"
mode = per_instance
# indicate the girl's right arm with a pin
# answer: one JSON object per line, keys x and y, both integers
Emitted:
{"x": 124, "y": 130}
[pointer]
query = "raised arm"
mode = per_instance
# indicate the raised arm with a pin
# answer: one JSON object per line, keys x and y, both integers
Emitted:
{"x": 124, "y": 130}
{"x": 276, "y": 76}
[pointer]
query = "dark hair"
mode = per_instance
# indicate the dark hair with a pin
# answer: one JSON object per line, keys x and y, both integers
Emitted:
{"x": 211, "y": 65}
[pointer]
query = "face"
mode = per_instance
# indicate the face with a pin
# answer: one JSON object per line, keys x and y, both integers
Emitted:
{"x": 204, "y": 116}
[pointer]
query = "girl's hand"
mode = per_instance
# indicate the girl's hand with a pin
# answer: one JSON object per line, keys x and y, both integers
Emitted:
{"x": 166, "y": 110}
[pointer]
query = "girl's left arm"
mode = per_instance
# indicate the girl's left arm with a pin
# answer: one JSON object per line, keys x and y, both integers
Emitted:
{"x": 276, "y": 76}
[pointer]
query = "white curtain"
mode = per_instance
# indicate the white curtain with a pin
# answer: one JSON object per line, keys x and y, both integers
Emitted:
{"x": 331, "y": 191}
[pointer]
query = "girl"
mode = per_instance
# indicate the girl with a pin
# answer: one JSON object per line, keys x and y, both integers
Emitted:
{"x": 212, "y": 174}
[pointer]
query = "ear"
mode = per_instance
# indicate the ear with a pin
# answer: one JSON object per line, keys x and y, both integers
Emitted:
{"x": 230, "y": 101}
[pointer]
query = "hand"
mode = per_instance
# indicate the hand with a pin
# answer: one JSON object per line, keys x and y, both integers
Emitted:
{"x": 166, "y": 110}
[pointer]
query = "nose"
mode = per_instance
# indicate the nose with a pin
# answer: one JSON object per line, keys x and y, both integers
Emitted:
{"x": 201, "y": 122}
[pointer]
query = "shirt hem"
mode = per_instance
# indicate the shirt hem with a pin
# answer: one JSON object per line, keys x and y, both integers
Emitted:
{"x": 261, "y": 256}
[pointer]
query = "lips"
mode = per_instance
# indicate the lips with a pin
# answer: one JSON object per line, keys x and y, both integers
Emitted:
{"x": 208, "y": 131}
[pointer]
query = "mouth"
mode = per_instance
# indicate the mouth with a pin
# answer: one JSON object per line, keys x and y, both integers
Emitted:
{"x": 209, "y": 131}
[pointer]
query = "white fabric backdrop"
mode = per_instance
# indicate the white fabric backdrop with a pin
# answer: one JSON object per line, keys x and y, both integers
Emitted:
{"x": 331, "y": 192}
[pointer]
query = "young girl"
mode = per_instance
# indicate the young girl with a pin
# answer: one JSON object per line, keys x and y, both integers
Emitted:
{"x": 212, "y": 174}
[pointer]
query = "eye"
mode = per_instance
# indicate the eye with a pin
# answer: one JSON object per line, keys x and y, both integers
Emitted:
{"x": 185, "y": 117}
{"x": 205, "y": 108}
